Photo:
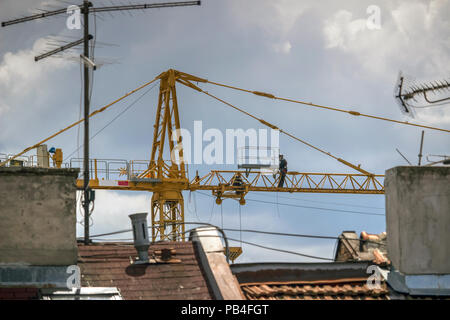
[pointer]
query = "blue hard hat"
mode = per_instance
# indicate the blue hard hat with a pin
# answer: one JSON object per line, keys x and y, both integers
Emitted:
{"x": 52, "y": 150}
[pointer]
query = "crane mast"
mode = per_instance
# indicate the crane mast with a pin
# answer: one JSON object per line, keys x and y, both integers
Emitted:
{"x": 169, "y": 177}
{"x": 167, "y": 212}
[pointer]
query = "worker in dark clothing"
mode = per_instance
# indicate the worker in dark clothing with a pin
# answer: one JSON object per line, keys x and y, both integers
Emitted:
{"x": 238, "y": 183}
{"x": 283, "y": 171}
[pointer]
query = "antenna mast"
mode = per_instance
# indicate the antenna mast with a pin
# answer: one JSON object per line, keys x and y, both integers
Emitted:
{"x": 86, "y": 8}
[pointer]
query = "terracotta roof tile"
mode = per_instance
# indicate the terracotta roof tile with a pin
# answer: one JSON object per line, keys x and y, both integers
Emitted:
{"x": 19, "y": 293}
{"x": 341, "y": 289}
{"x": 109, "y": 265}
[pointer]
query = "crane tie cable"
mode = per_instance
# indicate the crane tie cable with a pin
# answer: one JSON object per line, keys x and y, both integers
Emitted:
{"x": 79, "y": 121}
{"x": 357, "y": 168}
{"x": 353, "y": 113}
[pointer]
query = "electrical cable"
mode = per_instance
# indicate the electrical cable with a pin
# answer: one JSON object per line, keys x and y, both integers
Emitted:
{"x": 281, "y": 250}
{"x": 319, "y": 208}
{"x": 189, "y": 202}
{"x": 114, "y": 119}
{"x": 80, "y": 110}
{"x": 212, "y": 211}
{"x": 309, "y": 207}
{"x": 91, "y": 220}
{"x": 245, "y": 242}
{"x": 278, "y": 207}
{"x": 298, "y": 235}
{"x": 251, "y": 243}
{"x": 335, "y": 248}
{"x": 268, "y": 248}
{"x": 240, "y": 224}
{"x": 323, "y": 202}
{"x": 273, "y": 249}
{"x": 221, "y": 214}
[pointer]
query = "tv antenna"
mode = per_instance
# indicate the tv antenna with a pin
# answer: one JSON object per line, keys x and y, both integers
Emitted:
{"x": 445, "y": 159}
{"x": 408, "y": 93}
{"x": 85, "y": 9}
{"x": 403, "y": 157}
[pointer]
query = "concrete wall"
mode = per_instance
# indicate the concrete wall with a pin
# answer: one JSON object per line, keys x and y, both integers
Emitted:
{"x": 418, "y": 219}
{"x": 37, "y": 216}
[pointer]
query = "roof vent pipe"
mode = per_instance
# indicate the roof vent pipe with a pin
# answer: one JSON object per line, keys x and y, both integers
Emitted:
{"x": 140, "y": 236}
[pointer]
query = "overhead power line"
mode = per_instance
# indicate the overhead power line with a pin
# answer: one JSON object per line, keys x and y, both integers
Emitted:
{"x": 325, "y": 202}
{"x": 248, "y": 242}
{"x": 298, "y": 235}
{"x": 308, "y": 207}
{"x": 231, "y": 239}
{"x": 318, "y": 208}
{"x": 282, "y": 250}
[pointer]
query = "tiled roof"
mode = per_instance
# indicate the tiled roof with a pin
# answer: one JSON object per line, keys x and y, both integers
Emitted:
{"x": 342, "y": 289}
{"x": 109, "y": 265}
{"x": 19, "y": 293}
{"x": 366, "y": 247}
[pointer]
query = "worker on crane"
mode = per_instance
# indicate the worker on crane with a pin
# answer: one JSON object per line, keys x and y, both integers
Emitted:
{"x": 238, "y": 182}
{"x": 57, "y": 156}
{"x": 283, "y": 171}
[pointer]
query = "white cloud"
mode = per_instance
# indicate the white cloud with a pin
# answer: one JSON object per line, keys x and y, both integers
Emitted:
{"x": 411, "y": 39}
{"x": 276, "y": 19}
{"x": 21, "y": 76}
{"x": 112, "y": 209}
{"x": 341, "y": 30}
{"x": 284, "y": 47}
{"x": 3, "y": 108}
{"x": 19, "y": 71}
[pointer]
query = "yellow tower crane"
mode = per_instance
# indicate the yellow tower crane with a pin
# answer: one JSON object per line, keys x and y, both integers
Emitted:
{"x": 166, "y": 179}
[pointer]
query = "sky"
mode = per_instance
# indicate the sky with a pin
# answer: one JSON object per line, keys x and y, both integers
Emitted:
{"x": 321, "y": 52}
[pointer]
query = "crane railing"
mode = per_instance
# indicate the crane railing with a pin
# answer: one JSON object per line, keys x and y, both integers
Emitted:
{"x": 130, "y": 175}
{"x": 225, "y": 181}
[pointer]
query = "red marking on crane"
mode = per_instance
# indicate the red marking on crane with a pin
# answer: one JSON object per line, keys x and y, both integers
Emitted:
{"x": 122, "y": 183}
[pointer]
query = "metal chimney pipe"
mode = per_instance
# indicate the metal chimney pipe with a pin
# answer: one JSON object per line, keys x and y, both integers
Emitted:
{"x": 140, "y": 235}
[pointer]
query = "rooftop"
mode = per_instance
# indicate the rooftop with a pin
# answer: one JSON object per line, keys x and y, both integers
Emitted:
{"x": 110, "y": 265}
{"x": 341, "y": 289}
{"x": 366, "y": 247}
{"x": 307, "y": 281}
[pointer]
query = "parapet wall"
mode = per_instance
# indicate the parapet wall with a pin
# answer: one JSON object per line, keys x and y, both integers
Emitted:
{"x": 38, "y": 216}
{"x": 418, "y": 219}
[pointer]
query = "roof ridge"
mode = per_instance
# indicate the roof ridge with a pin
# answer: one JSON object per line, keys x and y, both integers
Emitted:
{"x": 335, "y": 281}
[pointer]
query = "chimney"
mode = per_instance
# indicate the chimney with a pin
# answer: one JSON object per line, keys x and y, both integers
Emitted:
{"x": 140, "y": 236}
{"x": 418, "y": 220}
